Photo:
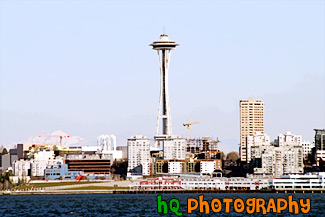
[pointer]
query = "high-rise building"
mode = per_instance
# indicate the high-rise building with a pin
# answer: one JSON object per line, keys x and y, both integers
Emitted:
{"x": 320, "y": 139}
{"x": 319, "y": 150}
{"x": 251, "y": 122}
{"x": 138, "y": 154}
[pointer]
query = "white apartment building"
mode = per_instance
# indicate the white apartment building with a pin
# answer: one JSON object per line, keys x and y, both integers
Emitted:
{"x": 251, "y": 122}
{"x": 41, "y": 159}
{"x": 277, "y": 161}
{"x": 138, "y": 154}
{"x": 175, "y": 167}
{"x": 274, "y": 161}
{"x": 174, "y": 148}
{"x": 146, "y": 168}
{"x": 289, "y": 139}
{"x": 207, "y": 167}
{"x": 21, "y": 167}
{"x": 307, "y": 147}
{"x": 254, "y": 143}
{"x": 292, "y": 160}
{"x": 38, "y": 166}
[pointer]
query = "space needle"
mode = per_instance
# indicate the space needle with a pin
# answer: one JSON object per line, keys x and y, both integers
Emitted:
{"x": 164, "y": 46}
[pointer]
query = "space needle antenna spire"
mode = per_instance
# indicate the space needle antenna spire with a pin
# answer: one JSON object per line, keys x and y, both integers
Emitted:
{"x": 164, "y": 46}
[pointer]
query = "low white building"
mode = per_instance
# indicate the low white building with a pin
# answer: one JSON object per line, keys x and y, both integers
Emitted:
{"x": 307, "y": 147}
{"x": 146, "y": 168}
{"x": 175, "y": 167}
{"x": 236, "y": 183}
{"x": 192, "y": 183}
{"x": 174, "y": 148}
{"x": 207, "y": 167}
{"x": 307, "y": 181}
{"x": 289, "y": 139}
{"x": 38, "y": 166}
{"x": 21, "y": 167}
{"x": 40, "y": 160}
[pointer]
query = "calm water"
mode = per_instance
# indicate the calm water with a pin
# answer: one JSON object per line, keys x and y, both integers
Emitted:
{"x": 128, "y": 205}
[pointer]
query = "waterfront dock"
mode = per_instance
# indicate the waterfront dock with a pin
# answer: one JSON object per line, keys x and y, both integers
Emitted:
{"x": 158, "y": 191}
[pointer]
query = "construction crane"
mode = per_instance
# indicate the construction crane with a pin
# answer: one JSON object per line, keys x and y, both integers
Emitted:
{"x": 187, "y": 125}
{"x": 61, "y": 137}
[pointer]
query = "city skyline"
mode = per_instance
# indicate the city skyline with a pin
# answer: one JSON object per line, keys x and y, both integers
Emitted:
{"x": 66, "y": 74}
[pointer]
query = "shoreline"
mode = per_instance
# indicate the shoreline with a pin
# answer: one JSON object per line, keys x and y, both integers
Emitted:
{"x": 65, "y": 192}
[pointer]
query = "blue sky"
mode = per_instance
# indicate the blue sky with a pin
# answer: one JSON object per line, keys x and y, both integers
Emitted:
{"x": 86, "y": 68}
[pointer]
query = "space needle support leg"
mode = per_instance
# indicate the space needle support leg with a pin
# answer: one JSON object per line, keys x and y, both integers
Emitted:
{"x": 160, "y": 98}
{"x": 169, "y": 120}
{"x": 164, "y": 96}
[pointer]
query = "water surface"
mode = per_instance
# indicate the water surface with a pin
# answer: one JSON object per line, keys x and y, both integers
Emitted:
{"x": 129, "y": 204}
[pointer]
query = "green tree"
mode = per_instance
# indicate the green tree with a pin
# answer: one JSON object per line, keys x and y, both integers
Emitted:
{"x": 5, "y": 182}
{"x": 2, "y": 181}
{"x": 232, "y": 156}
{"x": 222, "y": 155}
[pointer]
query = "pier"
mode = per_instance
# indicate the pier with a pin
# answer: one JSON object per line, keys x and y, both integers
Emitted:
{"x": 286, "y": 191}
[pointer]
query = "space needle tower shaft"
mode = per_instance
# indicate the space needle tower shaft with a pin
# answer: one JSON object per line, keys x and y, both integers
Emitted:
{"x": 164, "y": 46}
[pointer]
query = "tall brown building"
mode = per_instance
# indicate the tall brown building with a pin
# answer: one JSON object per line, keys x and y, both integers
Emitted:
{"x": 251, "y": 121}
